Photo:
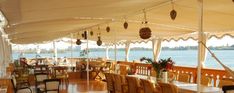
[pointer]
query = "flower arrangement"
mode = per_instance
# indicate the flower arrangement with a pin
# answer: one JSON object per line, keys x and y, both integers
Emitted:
{"x": 161, "y": 65}
{"x": 166, "y": 64}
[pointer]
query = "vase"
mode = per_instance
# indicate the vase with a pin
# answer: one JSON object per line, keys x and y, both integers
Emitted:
{"x": 165, "y": 76}
{"x": 158, "y": 73}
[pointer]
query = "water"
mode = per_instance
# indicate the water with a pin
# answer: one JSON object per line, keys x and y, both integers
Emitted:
{"x": 181, "y": 57}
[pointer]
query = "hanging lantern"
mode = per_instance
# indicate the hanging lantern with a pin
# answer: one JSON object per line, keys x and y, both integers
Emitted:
{"x": 78, "y": 42}
{"x": 91, "y": 33}
{"x": 125, "y": 25}
{"x": 233, "y": 1}
{"x": 145, "y": 33}
{"x": 173, "y": 14}
{"x": 107, "y": 29}
{"x": 99, "y": 42}
{"x": 83, "y": 35}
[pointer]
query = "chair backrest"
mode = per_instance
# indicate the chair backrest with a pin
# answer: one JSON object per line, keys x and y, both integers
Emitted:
{"x": 40, "y": 77}
{"x": 206, "y": 80}
{"x": 79, "y": 66}
{"x": 172, "y": 76}
{"x": 60, "y": 70}
{"x": 184, "y": 77}
{"x": 20, "y": 87}
{"x": 118, "y": 82}
{"x": 225, "y": 82}
{"x": 133, "y": 84}
{"x": 168, "y": 88}
{"x": 123, "y": 69}
{"x": 14, "y": 81}
{"x": 41, "y": 69}
{"x": 109, "y": 80}
{"x": 21, "y": 72}
{"x": 228, "y": 89}
{"x": 148, "y": 87}
{"x": 52, "y": 85}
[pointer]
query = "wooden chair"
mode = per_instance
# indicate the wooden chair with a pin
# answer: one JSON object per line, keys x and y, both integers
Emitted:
{"x": 172, "y": 76}
{"x": 133, "y": 85}
{"x": 51, "y": 85}
{"x": 119, "y": 83}
{"x": 206, "y": 80}
{"x": 97, "y": 69}
{"x": 62, "y": 73}
{"x": 20, "y": 87}
{"x": 148, "y": 87}
{"x": 39, "y": 81}
{"x": 80, "y": 66}
{"x": 21, "y": 74}
{"x": 168, "y": 88}
{"x": 225, "y": 82}
{"x": 107, "y": 68}
{"x": 110, "y": 82}
{"x": 184, "y": 77}
{"x": 41, "y": 69}
{"x": 123, "y": 69}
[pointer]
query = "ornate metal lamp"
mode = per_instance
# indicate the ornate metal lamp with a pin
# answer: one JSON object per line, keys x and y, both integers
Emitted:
{"x": 145, "y": 32}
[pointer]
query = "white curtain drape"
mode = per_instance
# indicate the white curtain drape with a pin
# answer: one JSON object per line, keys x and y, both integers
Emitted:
{"x": 127, "y": 50}
{"x": 203, "y": 49}
{"x": 156, "y": 44}
{"x": 4, "y": 54}
{"x": 1, "y": 54}
{"x": 10, "y": 51}
{"x": 55, "y": 52}
{"x": 9, "y": 55}
{"x": 107, "y": 52}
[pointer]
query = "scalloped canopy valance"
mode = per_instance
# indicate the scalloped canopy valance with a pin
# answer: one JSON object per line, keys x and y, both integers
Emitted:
{"x": 30, "y": 21}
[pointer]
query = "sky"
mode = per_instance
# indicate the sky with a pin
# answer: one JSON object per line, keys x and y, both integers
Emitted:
{"x": 92, "y": 44}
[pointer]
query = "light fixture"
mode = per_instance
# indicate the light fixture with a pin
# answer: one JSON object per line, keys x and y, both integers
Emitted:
{"x": 125, "y": 25}
{"x": 85, "y": 34}
{"x": 107, "y": 29}
{"x": 99, "y": 41}
{"x": 91, "y": 33}
{"x": 173, "y": 13}
{"x": 78, "y": 42}
{"x": 145, "y": 32}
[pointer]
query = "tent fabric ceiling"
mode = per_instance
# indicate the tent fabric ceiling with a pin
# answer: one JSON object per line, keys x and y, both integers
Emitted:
{"x": 31, "y": 21}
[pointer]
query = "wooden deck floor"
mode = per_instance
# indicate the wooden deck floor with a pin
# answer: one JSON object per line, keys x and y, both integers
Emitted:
{"x": 81, "y": 86}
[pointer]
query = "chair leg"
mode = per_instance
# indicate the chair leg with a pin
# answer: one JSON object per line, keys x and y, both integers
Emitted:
{"x": 67, "y": 82}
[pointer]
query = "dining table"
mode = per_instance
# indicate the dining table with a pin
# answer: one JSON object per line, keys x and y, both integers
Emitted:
{"x": 183, "y": 87}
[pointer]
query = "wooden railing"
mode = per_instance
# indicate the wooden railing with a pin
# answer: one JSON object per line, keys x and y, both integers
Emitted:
{"x": 146, "y": 69}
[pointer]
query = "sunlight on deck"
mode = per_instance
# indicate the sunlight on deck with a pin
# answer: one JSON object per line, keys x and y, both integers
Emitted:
{"x": 80, "y": 86}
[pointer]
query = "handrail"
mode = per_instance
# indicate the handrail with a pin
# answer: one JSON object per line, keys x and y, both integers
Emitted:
{"x": 216, "y": 74}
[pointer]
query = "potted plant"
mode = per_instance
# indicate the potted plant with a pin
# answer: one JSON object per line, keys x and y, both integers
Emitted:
{"x": 161, "y": 65}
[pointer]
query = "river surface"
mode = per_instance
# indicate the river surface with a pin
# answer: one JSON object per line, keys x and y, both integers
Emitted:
{"x": 181, "y": 57}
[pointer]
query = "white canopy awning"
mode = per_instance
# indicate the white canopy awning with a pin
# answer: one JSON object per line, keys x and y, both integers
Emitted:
{"x": 31, "y": 21}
